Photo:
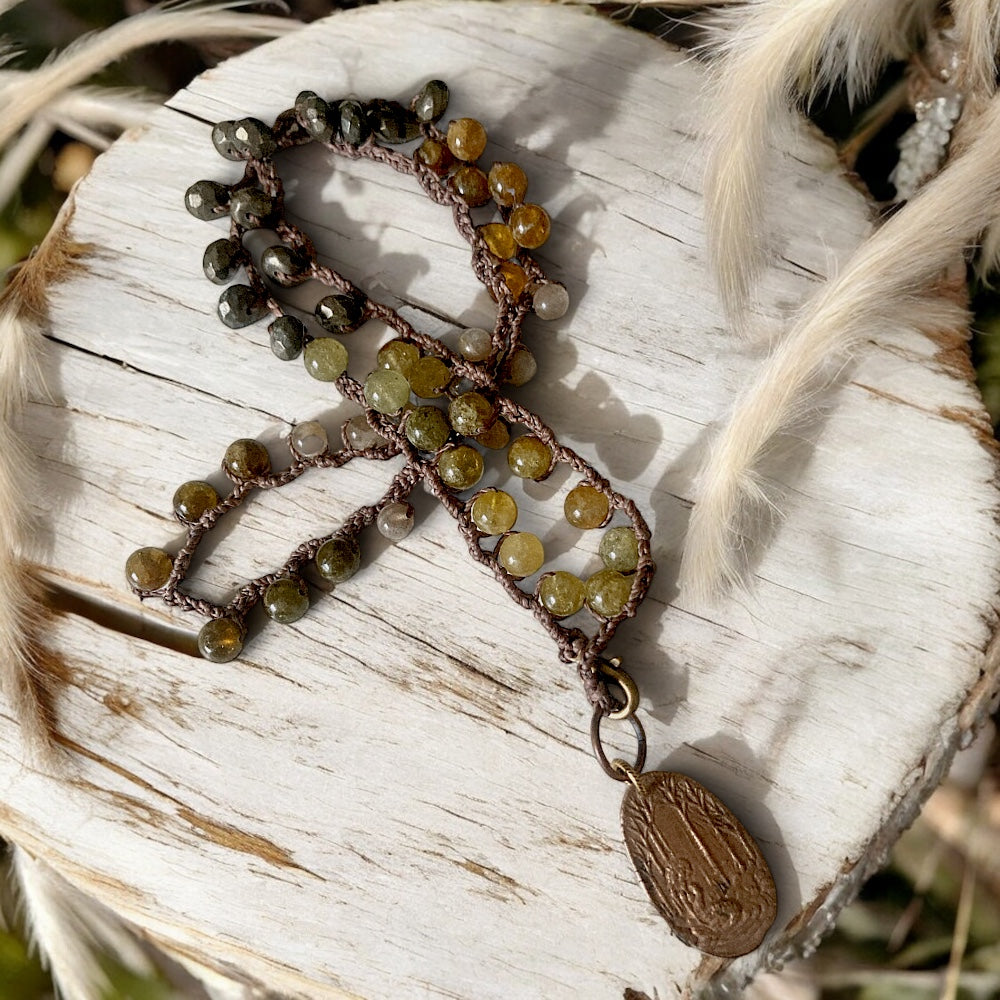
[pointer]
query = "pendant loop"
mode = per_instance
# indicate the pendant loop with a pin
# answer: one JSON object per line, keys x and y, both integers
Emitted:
{"x": 618, "y": 769}
{"x": 612, "y": 669}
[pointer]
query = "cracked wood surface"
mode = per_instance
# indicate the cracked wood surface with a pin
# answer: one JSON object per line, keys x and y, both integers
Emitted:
{"x": 395, "y": 796}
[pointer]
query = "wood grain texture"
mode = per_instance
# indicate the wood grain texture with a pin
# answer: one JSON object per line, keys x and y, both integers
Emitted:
{"x": 394, "y": 797}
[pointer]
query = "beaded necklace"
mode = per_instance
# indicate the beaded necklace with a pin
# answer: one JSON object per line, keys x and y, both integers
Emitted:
{"x": 442, "y": 410}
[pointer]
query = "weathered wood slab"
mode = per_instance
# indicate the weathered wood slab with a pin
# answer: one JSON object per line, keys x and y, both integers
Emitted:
{"x": 395, "y": 796}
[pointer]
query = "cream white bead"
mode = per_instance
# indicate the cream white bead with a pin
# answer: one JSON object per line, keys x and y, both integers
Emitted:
{"x": 475, "y": 344}
{"x": 309, "y": 439}
{"x": 395, "y": 521}
{"x": 550, "y": 301}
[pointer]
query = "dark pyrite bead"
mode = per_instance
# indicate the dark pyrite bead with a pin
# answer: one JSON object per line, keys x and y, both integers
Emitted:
{"x": 339, "y": 313}
{"x": 252, "y": 208}
{"x": 432, "y": 101}
{"x": 207, "y": 199}
{"x": 288, "y": 336}
{"x": 240, "y": 305}
{"x": 392, "y": 123}
{"x": 225, "y": 144}
{"x": 284, "y": 265}
{"x": 315, "y": 115}
{"x": 253, "y": 139}
{"x": 223, "y": 259}
{"x": 354, "y": 127}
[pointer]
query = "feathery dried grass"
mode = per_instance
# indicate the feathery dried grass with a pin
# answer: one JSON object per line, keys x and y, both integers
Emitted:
{"x": 23, "y": 309}
{"x": 73, "y": 933}
{"x": 772, "y": 55}
{"x": 888, "y": 282}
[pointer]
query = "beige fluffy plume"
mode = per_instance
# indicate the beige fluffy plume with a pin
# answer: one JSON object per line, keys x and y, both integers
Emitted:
{"x": 23, "y": 308}
{"x": 772, "y": 55}
{"x": 888, "y": 282}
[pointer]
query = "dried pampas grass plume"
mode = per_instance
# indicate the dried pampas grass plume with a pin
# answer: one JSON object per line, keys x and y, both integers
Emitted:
{"x": 771, "y": 56}
{"x": 888, "y": 282}
{"x": 74, "y": 935}
{"x": 23, "y": 311}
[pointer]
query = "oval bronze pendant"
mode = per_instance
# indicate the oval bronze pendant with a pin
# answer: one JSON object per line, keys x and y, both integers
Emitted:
{"x": 702, "y": 870}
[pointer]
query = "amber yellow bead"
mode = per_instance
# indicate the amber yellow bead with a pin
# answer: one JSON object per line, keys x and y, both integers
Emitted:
{"x": 561, "y": 593}
{"x": 521, "y": 554}
{"x": 434, "y": 155}
{"x": 192, "y": 499}
{"x": 466, "y": 139}
{"x": 607, "y": 592}
{"x": 429, "y": 377}
{"x": 508, "y": 184}
{"x": 220, "y": 640}
{"x": 496, "y": 438}
{"x": 514, "y": 277}
{"x": 493, "y": 512}
{"x": 586, "y": 507}
{"x": 148, "y": 569}
{"x": 469, "y": 183}
{"x": 619, "y": 550}
{"x": 471, "y": 414}
{"x": 529, "y": 457}
{"x": 499, "y": 240}
{"x": 530, "y": 225}
{"x": 247, "y": 458}
{"x": 460, "y": 467}
{"x": 399, "y": 355}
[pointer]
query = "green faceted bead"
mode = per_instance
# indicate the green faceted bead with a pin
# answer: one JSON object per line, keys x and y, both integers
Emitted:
{"x": 220, "y": 640}
{"x": 427, "y": 428}
{"x": 354, "y": 128}
{"x": 222, "y": 260}
{"x": 240, "y": 306}
{"x": 432, "y": 101}
{"x": 399, "y": 355}
{"x": 493, "y": 512}
{"x": 471, "y": 413}
{"x": 387, "y": 391}
{"x": 246, "y": 459}
{"x": 607, "y": 592}
{"x": 284, "y": 265}
{"x": 497, "y": 437}
{"x": 252, "y": 208}
{"x": 193, "y": 498}
{"x": 325, "y": 359}
{"x": 207, "y": 199}
{"x": 460, "y": 467}
{"x": 620, "y": 550}
{"x": 286, "y": 600}
{"x": 529, "y": 457}
{"x": 521, "y": 554}
{"x": 339, "y": 559}
{"x": 586, "y": 507}
{"x": 561, "y": 593}
{"x": 148, "y": 569}
{"x": 287, "y": 335}
{"x": 339, "y": 313}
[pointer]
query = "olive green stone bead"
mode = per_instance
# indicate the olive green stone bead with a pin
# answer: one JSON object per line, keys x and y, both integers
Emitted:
{"x": 496, "y": 438}
{"x": 471, "y": 413}
{"x": 339, "y": 559}
{"x": 240, "y": 306}
{"x": 427, "y": 428}
{"x": 561, "y": 593}
{"x": 460, "y": 467}
{"x": 493, "y": 512}
{"x": 431, "y": 102}
{"x": 429, "y": 377}
{"x": 284, "y": 265}
{"x": 521, "y": 554}
{"x": 207, "y": 199}
{"x": 387, "y": 391}
{"x": 287, "y": 337}
{"x": 286, "y": 600}
{"x": 607, "y": 592}
{"x": 619, "y": 550}
{"x": 521, "y": 367}
{"x": 354, "y": 128}
{"x": 325, "y": 359}
{"x": 314, "y": 115}
{"x": 529, "y": 457}
{"x": 392, "y": 123}
{"x": 246, "y": 458}
{"x": 399, "y": 355}
{"x": 339, "y": 313}
{"x": 220, "y": 640}
{"x": 253, "y": 208}
{"x": 193, "y": 498}
{"x": 586, "y": 507}
{"x": 223, "y": 258}
{"x": 148, "y": 569}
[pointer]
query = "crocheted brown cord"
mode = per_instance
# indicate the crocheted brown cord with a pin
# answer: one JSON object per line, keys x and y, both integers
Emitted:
{"x": 573, "y": 643}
